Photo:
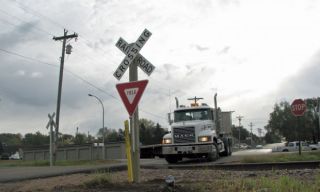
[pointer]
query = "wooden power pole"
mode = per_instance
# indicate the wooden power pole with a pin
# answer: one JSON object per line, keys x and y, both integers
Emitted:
{"x": 64, "y": 39}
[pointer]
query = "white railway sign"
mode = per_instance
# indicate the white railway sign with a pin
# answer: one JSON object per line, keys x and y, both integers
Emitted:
{"x": 131, "y": 53}
{"x": 143, "y": 63}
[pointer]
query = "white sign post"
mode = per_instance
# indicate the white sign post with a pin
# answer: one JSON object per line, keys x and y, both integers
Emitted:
{"x": 132, "y": 60}
{"x": 51, "y": 124}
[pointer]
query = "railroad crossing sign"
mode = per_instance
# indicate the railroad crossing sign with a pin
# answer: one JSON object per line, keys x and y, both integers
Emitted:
{"x": 51, "y": 121}
{"x": 143, "y": 63}
{"x": 131, "y": 93}
{"x": 298, "y": 107}
{"x": 51, "y": 124}
{"x": 132, "y": 51}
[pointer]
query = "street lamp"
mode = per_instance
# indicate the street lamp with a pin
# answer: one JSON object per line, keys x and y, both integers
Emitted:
{"x": 103, "y": 132}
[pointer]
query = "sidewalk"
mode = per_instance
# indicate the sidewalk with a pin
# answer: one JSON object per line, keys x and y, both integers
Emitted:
{"x": 12, "y": 174}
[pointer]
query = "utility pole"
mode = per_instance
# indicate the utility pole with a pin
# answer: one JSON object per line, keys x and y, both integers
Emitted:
{"x": 259, "y": 132}
{"x": 64, "y": 39}
{"x": 239, "y": 118}
{"x": 318, "y": 110}
{"x": 251, "y": 125}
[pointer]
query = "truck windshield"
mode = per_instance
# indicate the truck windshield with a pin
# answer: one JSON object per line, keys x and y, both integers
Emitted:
{"x": 195, "y": 114}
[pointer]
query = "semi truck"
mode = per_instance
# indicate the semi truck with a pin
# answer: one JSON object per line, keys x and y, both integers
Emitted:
{"x": 197, "y": 131}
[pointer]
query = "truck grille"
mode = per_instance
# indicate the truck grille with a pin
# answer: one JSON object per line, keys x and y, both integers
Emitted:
{"x": 184, "y": 135}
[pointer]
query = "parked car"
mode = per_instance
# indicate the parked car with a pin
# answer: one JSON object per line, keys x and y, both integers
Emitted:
{"x": 315, "y": 146}
{"x": 15, "y": 156}
{"x": 259, "y": 147}
{"x": 4, "y": 156}
{"x": 292, "y": 146}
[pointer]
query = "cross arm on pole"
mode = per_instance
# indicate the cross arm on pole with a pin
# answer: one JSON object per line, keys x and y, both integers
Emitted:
{"x": 65, "y": 37}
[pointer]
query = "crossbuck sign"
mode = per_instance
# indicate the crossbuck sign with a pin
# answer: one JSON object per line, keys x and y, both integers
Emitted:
{"x": 132, "y": 52}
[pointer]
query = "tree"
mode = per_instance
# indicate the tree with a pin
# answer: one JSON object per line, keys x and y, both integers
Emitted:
{"x": 150, "y": 133}
{"x": 80, "y": 138}
{"x": 121, "y": 135}
{"x": 35, "y": 139}
{"x": 244, "y": 133}
{"x": 272, "y": 137}
{"x": 67, "y": 139}
{"x": 158, "y": 134}
{"x": 283, "y": 123}
{"x": 100, "y": 133}
{"x": 11, "y": 139}
{"x": 1, "y": 148}
{"x": 112, "y": 136}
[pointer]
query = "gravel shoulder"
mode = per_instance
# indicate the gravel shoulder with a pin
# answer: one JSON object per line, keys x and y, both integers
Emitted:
{"x": 153, "y": 180}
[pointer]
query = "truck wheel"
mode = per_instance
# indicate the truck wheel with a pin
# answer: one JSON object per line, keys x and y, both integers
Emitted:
{"x": 226, "y": 147}
{"x": 230, "y": 148}
{"x": 171, "y": 159}
{"x": 285, "y": 150}
{"x": 214, "y": 155}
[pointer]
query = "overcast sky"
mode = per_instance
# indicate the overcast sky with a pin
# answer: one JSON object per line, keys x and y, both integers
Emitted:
{"x": 254, "y": 53}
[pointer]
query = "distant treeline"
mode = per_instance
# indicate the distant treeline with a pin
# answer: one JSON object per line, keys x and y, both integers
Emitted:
{"x": 150, "y": 133}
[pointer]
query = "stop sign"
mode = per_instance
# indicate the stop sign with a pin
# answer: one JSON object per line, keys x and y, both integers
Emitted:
{"x": 298, "y": 107}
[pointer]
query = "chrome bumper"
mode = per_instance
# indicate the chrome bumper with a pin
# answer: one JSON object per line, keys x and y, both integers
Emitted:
{"x": 186, "y": 149}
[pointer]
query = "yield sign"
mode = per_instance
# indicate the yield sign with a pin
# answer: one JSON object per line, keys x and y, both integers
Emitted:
{"x": 131, "y": 93}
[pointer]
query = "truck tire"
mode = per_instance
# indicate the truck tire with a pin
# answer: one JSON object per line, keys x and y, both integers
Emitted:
{"x": 229, "y": 145}
{"x": 226, "y": 147}
{"x": 213, "y": 155}
{"x": 171, "y": 159}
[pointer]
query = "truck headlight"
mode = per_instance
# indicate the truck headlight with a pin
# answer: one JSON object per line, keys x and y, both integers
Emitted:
{"x": 167, "y": 141}
{"x": 204, "y": 138}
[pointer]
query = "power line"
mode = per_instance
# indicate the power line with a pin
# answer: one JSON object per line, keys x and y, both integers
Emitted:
{"x": 39, "y": 15}
{"x": 76, "y": 76}
{"x": 17, "y": 18}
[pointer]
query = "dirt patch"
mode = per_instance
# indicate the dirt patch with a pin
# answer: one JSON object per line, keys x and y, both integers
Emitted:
{"x": 154, "y": 180}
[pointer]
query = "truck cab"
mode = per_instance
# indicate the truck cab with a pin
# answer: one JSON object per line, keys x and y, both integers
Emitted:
{"x": 194, "y": 134}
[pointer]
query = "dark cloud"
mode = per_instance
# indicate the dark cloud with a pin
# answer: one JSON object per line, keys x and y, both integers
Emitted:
{"x": 305, "y": 83}
{"x": 18, "y": 35}
{"x": 199, "y": 48}
{"x": 225, "y": 50}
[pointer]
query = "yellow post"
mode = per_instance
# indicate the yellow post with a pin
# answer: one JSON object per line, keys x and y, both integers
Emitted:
{"x": 128, "y": 151}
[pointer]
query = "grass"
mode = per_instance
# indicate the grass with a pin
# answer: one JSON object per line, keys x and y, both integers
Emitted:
{"x": 283, "y": 157}
{"x": 263, "y": 184}
{"x": 100, "y": 180}
{"x": 22, "y": 163}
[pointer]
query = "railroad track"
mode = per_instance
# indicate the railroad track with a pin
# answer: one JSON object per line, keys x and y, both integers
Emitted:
{"x": 240, "y": 166}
